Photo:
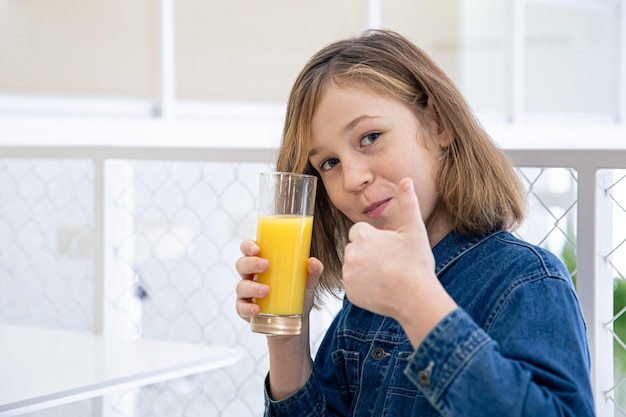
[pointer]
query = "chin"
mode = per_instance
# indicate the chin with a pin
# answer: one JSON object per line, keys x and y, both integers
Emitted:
{"x": 382, "y": 224}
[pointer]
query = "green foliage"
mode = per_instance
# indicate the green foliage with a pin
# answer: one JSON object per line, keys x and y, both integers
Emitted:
{"x": 619, "y": 301}
{"x": 619, "y": 328}
{"x": 568, "y": 256}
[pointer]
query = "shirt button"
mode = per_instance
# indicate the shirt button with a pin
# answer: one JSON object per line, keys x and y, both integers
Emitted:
{"x": 378, "y": 354}
{"x": 424, "y": 375}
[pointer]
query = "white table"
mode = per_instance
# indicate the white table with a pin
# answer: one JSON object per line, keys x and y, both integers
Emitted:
{"x": 41, "y": 368}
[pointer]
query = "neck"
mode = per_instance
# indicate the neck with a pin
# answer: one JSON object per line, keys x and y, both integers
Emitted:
{"x": 438, "y": 226}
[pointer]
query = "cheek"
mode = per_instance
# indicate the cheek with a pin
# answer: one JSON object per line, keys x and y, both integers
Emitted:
{"x": 427, "y": 196}
{"x": 339, "y": 199}
{"x": 331, "y": 191}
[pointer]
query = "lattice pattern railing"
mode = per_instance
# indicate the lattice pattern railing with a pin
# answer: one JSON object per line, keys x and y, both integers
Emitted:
{"x": 172, "y": 232}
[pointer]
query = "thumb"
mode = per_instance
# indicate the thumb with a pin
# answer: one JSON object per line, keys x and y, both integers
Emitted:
{"x": 410, "y": 214}
{"x": 314, "y": 272}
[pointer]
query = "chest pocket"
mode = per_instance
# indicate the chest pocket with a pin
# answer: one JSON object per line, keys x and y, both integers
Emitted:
{"x": 402, "y": 397}
{"x": 347, "y": 366}
{"x": 400, "y": 384}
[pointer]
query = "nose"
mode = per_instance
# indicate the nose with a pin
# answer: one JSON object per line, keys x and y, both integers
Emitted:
{"x": 356, "y": 174}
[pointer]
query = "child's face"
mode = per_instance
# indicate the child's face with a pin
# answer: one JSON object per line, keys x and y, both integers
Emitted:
{"x": 363, "y": 144}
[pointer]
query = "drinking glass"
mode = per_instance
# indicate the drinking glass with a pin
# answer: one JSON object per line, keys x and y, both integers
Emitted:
{"x": 284, "y": 228}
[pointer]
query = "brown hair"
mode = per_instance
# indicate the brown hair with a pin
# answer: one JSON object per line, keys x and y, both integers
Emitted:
{"x": 478, "y": 188}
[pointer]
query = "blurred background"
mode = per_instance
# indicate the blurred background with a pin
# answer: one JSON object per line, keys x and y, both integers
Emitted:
{"x": 565, "y": 59}
{"x": 153, "y": 74}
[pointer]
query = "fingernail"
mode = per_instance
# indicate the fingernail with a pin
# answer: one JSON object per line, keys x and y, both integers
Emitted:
{"x": 262, "y": 291}
{"x": 408, "y": 185}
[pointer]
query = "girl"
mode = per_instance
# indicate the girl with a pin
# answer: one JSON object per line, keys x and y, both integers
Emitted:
{"x": 445, "y": 313}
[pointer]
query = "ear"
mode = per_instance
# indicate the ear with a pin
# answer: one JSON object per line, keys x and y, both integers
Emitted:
{"x": 444, "y": 137}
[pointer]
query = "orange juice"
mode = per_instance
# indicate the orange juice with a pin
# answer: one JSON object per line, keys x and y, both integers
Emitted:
{"x": 285, "y": 240}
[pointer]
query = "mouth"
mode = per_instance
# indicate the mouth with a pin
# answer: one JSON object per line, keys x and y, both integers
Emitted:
{"x": 373, "y": 211}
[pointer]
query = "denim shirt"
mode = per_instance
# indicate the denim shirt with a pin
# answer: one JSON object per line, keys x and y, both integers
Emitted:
{"x": 516, "y": 346}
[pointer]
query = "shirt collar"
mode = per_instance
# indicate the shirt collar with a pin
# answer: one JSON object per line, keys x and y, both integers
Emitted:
{"x": 453, "y": 246}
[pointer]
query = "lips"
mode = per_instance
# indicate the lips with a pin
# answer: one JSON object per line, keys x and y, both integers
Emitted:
{"x": 375, "y": 210}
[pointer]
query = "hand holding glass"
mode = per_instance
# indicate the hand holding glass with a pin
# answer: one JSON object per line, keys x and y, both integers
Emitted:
{"x": 284, "y": 228}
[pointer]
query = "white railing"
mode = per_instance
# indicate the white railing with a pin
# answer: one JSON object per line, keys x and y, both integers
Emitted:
{"x": 593, "y": 152}
{"x": 594, "y": 244}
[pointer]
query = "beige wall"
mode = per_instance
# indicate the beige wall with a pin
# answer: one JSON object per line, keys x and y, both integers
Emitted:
{"x": 252, "y": 50}
{"x": 225, "y": 50}
{"x": 243, "y": 49}
{"x": 432, "y": 25}
{"x": 101, "y": 47}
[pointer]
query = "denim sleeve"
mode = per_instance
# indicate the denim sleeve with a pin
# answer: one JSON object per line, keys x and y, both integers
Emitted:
{"x": 531, "y": 358}
{"x": 309, "y": 398}
{"x": 319, "y": 396}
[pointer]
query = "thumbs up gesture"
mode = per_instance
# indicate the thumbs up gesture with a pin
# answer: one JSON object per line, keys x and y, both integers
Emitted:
{"x": 392, "y": 272}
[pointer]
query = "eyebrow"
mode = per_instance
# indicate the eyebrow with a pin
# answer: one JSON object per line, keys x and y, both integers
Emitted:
{"x": 350, "y": 126}
{"x": 347, "y": 128}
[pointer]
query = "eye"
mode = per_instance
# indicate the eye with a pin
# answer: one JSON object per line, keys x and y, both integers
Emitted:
{"x": 369, "y": 139}
{"x": 329, "y": 164}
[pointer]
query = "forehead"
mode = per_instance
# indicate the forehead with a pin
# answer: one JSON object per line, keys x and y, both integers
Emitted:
{"x": 361, "y": 85}
{"x": 343, "y": 105}
{"x": 346, "y": 110}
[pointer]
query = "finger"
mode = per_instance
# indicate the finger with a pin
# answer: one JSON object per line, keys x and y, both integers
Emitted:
{"x": 359, "y": 231}
{"x": 247, "y": 310}
{"x": 247, "y": 291}
{"x": 248, "y": 266}
{"x": 410, "y": 214}
{"x": 249, "y": 247}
